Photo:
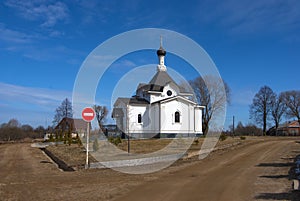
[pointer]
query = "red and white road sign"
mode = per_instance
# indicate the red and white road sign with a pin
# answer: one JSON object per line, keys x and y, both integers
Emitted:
{"x": 88, "y": 114}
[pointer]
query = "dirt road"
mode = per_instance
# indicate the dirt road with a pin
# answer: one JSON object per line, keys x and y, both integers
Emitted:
{"x": 233, "y": 175}
{"x": 253, "y": 171}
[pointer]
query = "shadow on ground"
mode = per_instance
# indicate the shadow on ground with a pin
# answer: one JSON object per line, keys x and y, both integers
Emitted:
{"x": 291, "y": 194}
{"x": 274, "y": 176}
{"x": 275, "y": 164}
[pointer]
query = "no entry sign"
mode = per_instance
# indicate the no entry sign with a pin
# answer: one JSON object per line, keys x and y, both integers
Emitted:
{"x": 88, "y": 114}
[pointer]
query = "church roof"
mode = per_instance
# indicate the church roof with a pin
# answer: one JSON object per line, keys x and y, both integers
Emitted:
{"x": 138, "y": 101}
{"x": 132, "y": 101}
{"x": 162, "y": 78}
{"x": 150, "y": 87}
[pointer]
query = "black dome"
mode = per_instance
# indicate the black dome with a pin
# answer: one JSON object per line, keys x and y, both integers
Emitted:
{"x": 161, "y": 52}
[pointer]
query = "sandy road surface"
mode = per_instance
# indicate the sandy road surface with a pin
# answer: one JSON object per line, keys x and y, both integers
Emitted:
{"x": 234, "y": 175}
{"x": 254, "y": 171}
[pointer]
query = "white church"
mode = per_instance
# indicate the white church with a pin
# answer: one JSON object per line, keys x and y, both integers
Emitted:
{"x": 160, "y": 109}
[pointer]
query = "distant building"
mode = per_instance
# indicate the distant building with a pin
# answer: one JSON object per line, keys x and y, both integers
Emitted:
{"x": 286, "y": 129}
{"x": 75, "y": 126}
{"x": 160, "y": 108}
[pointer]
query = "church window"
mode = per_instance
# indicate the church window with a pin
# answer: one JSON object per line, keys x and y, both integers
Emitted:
{"x": 177, "y": 117}
{"x": 139, "y": 118}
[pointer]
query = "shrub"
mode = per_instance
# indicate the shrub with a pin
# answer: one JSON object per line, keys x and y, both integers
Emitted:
{"x": 115, "y": 140}
{"x": 223, "y": 137}
{"x": 243, "y": 138}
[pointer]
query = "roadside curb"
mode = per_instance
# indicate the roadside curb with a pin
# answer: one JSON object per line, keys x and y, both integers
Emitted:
{"x": 135, "y": 162}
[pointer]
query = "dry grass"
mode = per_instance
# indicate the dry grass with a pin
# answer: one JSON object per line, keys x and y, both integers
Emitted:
{"x": 144, "y": 146}
{"x": 75, "y": 156}
{"x": 72, "y": 155}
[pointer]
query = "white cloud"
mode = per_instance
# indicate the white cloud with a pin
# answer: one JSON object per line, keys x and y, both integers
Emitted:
{"x": 48, "y": 12}
{"x": 13, "y": 36}
{"x": 31, "y": 105}
{"x": 36, "y": 96}
{"x": 29, "y": 46}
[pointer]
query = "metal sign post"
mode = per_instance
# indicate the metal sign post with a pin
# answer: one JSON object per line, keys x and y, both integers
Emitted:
{"x": 88, "y": 114}
{"x": 87, "y": 145}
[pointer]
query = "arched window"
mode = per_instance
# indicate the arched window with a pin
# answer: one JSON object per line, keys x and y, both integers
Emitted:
{"x": 177, "y": 117}
{"x": 139, "y": 118}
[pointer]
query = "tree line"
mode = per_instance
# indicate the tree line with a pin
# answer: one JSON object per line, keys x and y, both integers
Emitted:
{"x": 14, "y": 131}
{"x": 269, "y": 108}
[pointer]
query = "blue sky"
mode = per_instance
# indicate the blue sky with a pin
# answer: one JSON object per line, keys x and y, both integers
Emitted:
{"x": 43, "y": 44}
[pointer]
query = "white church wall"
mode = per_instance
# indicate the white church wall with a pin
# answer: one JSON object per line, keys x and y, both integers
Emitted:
{"x": 133, "y": 112}
{"x": 154, "y": 118}
{"x": 149, "y": 126}
{"x": 168, "y": 124}
{"x": 191, "y": 119}
{"x": 198, "y": 120}
{"x": 155, "y": 97}
{"x": 172, "y": 88}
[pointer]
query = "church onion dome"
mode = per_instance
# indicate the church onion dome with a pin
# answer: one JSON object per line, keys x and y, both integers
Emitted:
{"x": 161, "y": 52}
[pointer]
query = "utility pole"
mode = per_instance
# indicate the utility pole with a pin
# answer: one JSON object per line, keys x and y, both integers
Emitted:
{"x": 128, "y": 143}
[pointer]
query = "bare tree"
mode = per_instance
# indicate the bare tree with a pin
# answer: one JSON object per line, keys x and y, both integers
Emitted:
{"x": 101, "y": 113}
{"x": 13, "y": 123}
{"x": 278, "y": 109}
{"x": 213, "y": 93}
{"x": 261, "y": 106}
{"x": 64, "y": 110}
{"x": 40, "y": 131}
{"x": 248, "y": 129}
{"x": 292, "y": 102}
{"x": 27, "y": 128}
